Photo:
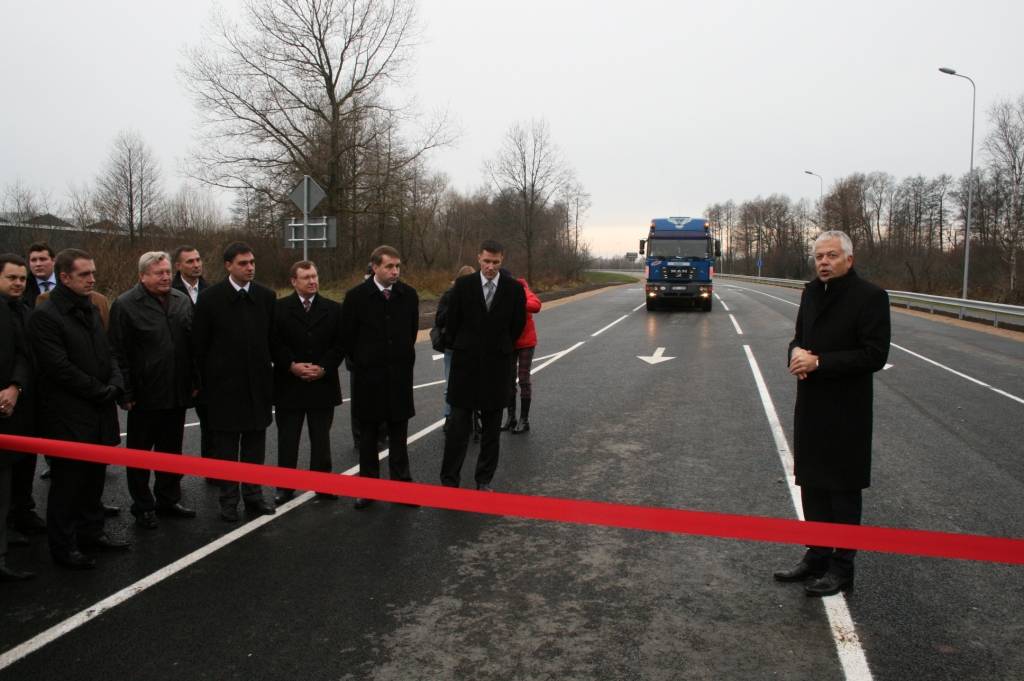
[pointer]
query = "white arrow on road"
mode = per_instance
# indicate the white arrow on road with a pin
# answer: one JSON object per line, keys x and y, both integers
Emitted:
{"x": 887, "y": 366}
{"x": 656, "y": 358}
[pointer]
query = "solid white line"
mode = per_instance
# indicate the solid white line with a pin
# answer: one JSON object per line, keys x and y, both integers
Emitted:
{"x": 752, "y": 290}
{"x": 851, "y": 654}
{"x": 600, "y": 331}
{"x": 957, "y": 373}
{"x": 736, "y": 324}
{"x": 638, "y": 307}
{"x": 92, "y": 612}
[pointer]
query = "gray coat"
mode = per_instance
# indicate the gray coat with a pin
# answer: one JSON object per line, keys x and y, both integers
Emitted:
{"x": 846, "y": 324}
{"x": 152, "y": 347}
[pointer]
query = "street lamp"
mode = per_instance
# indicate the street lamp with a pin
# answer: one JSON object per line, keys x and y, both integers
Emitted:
{"x": 970, "y": 180}
{"x": 821, "y": 199}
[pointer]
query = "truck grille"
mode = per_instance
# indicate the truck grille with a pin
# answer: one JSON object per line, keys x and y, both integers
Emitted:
{"x": 679, "y": 273}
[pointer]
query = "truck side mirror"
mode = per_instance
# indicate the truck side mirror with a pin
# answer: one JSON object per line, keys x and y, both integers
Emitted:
{"x": 718, "y": 248}
{"x": 643, "y": 242}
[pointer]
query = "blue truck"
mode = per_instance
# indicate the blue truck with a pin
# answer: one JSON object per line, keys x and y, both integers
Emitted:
{"x": 680, "y": 262}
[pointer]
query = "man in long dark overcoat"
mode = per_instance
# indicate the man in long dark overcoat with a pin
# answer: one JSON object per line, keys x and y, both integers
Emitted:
{"x": 79, "y": 381}
{"x": 486, "y": 314}
{"x": 16, "y": 408}
{"x": 233, "y": 338}
{"x": 306, "y": 384}
{"x": 842, "y": 339}
{"x": 379, "y": 322}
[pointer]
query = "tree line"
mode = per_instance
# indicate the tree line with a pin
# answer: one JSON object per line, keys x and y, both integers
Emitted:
{"x": 908, "y": 234}
{"x": 307, "y": 87}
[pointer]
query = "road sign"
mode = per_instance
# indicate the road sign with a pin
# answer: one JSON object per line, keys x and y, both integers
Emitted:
{"x": 306, "y": 195}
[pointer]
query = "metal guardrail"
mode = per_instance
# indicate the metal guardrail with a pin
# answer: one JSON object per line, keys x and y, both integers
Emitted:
{"x": 963, "y": 308}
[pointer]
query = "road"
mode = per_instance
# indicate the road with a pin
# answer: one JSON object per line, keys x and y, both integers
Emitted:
{"x": 322, "y": 591}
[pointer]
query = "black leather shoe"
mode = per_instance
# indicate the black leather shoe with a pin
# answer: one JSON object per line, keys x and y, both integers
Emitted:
{"x": 111, "y": 511}
{"x": 176, "y": 511}
{"x": 361, "y": 503}
{"x": 510, "y": 422}
{"x": 800, "y": 572}
{"x": 9, "y": 575}
{"x": 829, "y": 585}
{"x": 76, "y": 560}
{"x": 284, "y": 496}
{"x": 29, "y": 522}
{"x": 522, "y": 427}
{"x": 259, "y": 508}
{"x": 483, "y": 487}
{"x": 229, "y": 513}
{"x": 105, "y": 542}
{"x": 147, "y": 519}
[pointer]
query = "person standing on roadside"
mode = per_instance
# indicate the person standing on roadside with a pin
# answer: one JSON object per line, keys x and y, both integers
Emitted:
{"x": 42, "y": 278}
{"x": 79, "y": 383}
{"x": 150, "y": 334}
{"x": 233, "y": 339}
{"x": 437, "y": 335}
{"x": 841, "y": 340}
{"x": 522, "y": 361}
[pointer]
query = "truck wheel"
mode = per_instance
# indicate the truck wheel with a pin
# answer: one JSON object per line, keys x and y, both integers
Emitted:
{"x": 651, "y": 304}
{"x": 707, "y": 305}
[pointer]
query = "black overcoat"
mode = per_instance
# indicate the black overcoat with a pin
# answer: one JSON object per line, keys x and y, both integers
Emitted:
{"x": 74, "y": 367}
{"x": 15, "y": 369}
{"x": 233, "y": 341}
{"x": 153, "y": 347}
{"x": 483, "y": 341}
{"x": 379, "y": 337}
{"x": 313, "y": 337}
{"x": 846, "y": 324}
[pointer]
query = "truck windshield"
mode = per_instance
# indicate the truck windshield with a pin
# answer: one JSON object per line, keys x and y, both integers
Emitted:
{"x": 678, "y": 248}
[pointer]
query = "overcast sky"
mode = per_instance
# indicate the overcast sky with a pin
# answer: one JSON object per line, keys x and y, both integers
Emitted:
{"x": 662, "y": 108}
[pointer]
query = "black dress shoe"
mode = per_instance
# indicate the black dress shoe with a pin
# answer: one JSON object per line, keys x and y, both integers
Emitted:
{"x": 147, "y": 520}
{"x": 522, "y": 427}
{"x": 76, "y": 560}
{"x": 800, "y": 572}
{"x": 259, "y": 508}
{"x": 284, "y": 496}
{"x": 229, "y": 513}
{"x": 829, "y": 585}
{"x": 9, "y": 575}
{"x": 361, "y": 503}
{"x": 29, "y": 522}
{"x": 105, "y": 542}
{"x": 111, "y": 511}
{"x": 176, "y": 511}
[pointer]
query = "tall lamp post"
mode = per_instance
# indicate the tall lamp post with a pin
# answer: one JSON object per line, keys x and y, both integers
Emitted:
{"x": 821, "y": 199}
{"x": 970, "y": 180}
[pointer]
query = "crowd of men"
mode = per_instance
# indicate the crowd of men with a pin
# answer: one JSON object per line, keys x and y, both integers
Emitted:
{"x": 242, "y": 358}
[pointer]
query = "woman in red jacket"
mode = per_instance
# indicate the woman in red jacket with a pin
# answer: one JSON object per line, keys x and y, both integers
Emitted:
{"x": 521, "y": 362}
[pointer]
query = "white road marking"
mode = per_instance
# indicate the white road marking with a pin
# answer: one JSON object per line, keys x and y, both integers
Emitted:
{"x": 92, "y": 612}
{"x": 638, "y": 307}
{"x": 736, "y": 324}
{"x": 887, "y": 367}
{"x": 602, "y": 330}
{"x": 722, "y": 302}
{"x": 437, "y": 357}
{"x": 656, "y": 358}
{"x": 851, "y": 654}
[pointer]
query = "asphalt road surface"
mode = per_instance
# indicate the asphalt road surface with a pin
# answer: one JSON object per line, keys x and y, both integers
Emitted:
{"x": 322, "y": 591}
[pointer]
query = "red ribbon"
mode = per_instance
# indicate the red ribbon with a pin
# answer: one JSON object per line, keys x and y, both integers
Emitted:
{"x": 653, "y": 519}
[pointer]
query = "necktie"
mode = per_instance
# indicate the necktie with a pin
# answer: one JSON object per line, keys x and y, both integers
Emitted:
{"x": 306, "y": 303}
{"x": 387, "y": 293}
{"x": 45, "y": 285}
{"x": 488, "y": 293}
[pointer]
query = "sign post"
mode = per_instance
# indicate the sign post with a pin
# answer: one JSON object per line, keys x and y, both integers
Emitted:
{"x": 306, "y": 195}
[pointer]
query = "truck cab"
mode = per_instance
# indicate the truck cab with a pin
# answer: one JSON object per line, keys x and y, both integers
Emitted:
{"x": 680, "y": 262}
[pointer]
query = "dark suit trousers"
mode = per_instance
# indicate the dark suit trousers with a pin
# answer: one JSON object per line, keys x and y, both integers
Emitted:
{"x": 247, "y": 446}
{"x": 23, "y": 476}
{"x": 205, "y": 447}
{"x": 289, "y": 432}
{"x": 161, "y": 430}
{"x": 456, "y": 442}
{"x": 398, "y": 452}
{"x": 828, "y": 506}
{"x": 5, "y": 503}
{"x": 74, "y": 506}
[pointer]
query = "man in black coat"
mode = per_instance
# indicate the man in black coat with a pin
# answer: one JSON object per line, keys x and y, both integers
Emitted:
{"x": 379, "y": 321}
{"x": 150, "y": 334}
{"x": 79, "y": 381}
{"x": 486, "y": 314}
{"x": 842, "y": 338}
{"x": 306, "y": 384}
{"x": 41, "y": 277}
{"x": 233, "y": 342}
{"x": 16, "y": 409}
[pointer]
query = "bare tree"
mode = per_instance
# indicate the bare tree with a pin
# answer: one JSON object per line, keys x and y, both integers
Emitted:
{"x": 128, "y": 189}
{"x": 530, "y": 167}
{"x": 1005, "y": 147}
